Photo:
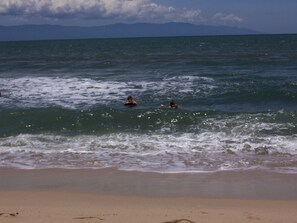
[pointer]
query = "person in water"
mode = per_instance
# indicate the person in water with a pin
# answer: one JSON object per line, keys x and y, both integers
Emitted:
{"x": 172, "y": 104}
{"x": 130, "y": 101}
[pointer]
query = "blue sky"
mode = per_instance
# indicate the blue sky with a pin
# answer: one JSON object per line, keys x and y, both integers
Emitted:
{"x": 267, "y": 16}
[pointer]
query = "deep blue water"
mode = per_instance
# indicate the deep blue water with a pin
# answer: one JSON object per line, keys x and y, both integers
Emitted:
{"x": 62, "y": 103}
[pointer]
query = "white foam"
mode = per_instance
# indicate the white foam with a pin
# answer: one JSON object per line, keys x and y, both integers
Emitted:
{"x": 189, "y": 78}
{"x": 207, "y": 151}
{"x": 78, "y": 92}
{"x": 70, "y": 93}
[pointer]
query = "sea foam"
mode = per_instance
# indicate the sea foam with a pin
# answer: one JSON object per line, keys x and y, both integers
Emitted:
{"x": 184, "y": 152}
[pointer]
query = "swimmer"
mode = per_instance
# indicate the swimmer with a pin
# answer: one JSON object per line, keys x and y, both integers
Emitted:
{"x": 130, "y": 101}
{"x": 172, "y": 104}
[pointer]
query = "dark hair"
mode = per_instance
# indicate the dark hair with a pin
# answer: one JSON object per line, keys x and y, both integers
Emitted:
{"x": 173, "y": 104}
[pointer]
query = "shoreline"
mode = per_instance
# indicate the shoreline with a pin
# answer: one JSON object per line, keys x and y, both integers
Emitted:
{"x": 252, "y": 184}
{"x": 85, "y": 196}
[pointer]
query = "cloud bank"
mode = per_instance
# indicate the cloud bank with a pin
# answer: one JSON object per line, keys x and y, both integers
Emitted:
{"x": 97, "y": 9}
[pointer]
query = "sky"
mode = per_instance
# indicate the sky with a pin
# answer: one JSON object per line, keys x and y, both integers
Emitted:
{"x": 265, "y": 16}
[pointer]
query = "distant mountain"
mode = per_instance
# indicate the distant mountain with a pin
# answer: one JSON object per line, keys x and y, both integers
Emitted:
{"x": 49, "y": 32}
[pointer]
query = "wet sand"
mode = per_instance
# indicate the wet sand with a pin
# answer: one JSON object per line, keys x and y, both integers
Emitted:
{"x": 57, "y": 195}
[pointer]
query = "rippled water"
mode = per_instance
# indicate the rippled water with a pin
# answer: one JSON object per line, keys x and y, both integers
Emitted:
{"x": 62, "y": 103}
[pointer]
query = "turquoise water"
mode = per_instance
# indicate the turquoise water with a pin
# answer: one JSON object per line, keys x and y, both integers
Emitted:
{"x": 62, "y": 103}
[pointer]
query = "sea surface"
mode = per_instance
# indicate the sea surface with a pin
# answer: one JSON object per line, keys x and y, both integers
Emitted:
{"x": 62, "y": 104}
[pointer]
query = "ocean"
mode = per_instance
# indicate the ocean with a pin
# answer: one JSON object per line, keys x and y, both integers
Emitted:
{"x": 62, "y": 104}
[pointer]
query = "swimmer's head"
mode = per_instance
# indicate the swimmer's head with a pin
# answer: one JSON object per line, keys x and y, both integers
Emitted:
{"x": 173, "y": 104}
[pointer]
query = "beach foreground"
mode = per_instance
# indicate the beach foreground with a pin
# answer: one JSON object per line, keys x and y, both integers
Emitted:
{"x": 61, "y": 206}
{"x": 118, "y": 196}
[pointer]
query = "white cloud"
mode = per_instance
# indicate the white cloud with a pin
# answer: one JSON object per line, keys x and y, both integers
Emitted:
{"x": 97, "y": 9}
{"x": 226, "y": 18}
{"x": 191, "y": 15}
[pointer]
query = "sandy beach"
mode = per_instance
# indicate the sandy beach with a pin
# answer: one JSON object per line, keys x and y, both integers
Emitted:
{"x": 116, "y": 196}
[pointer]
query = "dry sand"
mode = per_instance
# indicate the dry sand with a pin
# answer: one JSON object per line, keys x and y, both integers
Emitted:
{"x": 74, "y": 196}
